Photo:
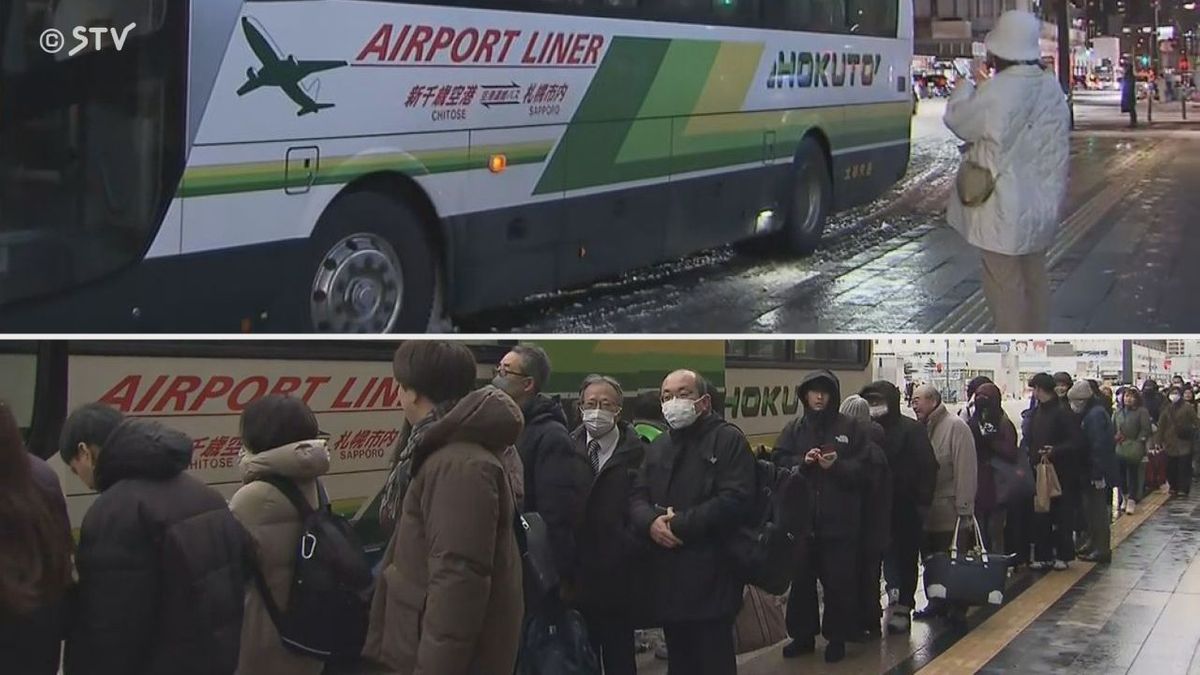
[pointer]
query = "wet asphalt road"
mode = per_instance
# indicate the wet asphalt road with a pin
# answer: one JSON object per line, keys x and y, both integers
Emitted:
{"x": 893, "y": 266}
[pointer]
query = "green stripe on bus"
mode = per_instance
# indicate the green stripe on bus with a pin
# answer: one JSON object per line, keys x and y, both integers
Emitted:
{"x": 201, "y": 181}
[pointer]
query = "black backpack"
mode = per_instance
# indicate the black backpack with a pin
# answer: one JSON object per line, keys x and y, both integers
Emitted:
{"x": 767, "y": 548}
{"x": 327, "y": 612}
{"x": 554, "y": 641}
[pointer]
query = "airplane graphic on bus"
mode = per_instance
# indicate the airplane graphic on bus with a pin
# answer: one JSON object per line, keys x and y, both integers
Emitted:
{"x": 276, "y": 71}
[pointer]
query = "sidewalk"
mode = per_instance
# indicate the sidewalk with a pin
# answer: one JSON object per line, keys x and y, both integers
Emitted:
{"x": 1141, "y": 614}
{"x": 1100, "y": 111}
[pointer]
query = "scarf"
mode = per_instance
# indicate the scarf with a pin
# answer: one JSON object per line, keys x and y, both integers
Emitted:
{"x": 401, "y": 475}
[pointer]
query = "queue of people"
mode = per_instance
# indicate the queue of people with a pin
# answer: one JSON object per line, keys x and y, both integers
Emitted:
{"x": 169, "y": 577}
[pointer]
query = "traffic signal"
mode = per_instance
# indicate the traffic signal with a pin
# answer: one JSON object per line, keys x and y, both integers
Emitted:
{"x": 1144, "y": 61}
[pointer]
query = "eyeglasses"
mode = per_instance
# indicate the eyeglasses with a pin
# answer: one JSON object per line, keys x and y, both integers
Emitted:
{"x": 504, "y": 370}
{"x": 600, "y": 405}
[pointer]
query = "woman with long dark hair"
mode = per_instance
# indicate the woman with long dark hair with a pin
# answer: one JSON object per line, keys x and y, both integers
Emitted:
{"x": 35, "y": 560}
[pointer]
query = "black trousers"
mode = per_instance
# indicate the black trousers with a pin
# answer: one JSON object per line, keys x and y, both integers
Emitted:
{"x": 834, "y": 563}
{"x": 869, "y": 609}
{"x": 611, "y": 635}
{"x": 1018, "y": 532}
{"x": 900, "y": 561}
{"x": 1179, "y": 473}
{"x": 1053, "y": 531}
{"x": 700, "y": 647}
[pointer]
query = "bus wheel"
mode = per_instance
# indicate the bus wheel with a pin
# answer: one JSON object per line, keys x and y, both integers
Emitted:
{"x": 373, "y": 269}
{"x": 809, "y": 199}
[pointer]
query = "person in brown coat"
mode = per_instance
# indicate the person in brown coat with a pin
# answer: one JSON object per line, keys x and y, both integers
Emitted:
{"x": 449, "y": 599}
{"x": 279, "y": 435}
{"x": 1177, "y": 425}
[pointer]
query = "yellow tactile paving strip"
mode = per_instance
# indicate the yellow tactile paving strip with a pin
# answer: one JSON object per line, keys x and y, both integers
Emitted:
{"x": 980, "y": 645}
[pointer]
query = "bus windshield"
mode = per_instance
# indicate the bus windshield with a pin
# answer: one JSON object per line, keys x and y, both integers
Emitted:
{"x": 91, "y": 136}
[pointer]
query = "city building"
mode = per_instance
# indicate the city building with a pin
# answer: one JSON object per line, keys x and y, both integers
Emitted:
{"x": 950, "y": 364}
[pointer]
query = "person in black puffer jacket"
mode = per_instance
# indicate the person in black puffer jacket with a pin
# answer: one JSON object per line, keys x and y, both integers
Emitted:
{"x": 557, "y": 476}
{"x": 914, "y": 469}
{"x": 832, "y": 452}
{"x": 161, "y": 559}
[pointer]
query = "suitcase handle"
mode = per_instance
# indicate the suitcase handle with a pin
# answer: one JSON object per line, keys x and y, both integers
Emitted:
{"x": 978, "y": 538}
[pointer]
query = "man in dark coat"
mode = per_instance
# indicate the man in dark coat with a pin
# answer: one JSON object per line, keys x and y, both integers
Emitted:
{"x": 1054, "y": 433}
{"x": 161, "y": 558}
{"x": 695, "y": 488}
{"x": 557, "y": 475}
{"x": 914, "y": 469}
{"x": 607, "y": 549}
{"x": 832, "y": 452}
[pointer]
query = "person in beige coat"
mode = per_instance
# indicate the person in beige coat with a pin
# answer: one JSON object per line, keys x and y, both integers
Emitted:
{"x": 954, "y": 490}
{"x": 279, "y": 438}
{"x": 449, "y": 599}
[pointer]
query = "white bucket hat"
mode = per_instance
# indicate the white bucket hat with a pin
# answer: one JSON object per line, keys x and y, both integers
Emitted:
{"x": 1016, "y": 37}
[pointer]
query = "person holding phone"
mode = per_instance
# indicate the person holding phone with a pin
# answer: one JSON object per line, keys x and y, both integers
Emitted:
{"x": 831, "y": 451}
{"x": 1016, "y": 127}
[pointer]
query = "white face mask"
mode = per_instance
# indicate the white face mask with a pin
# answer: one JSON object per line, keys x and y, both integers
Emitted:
{"x": 680, "y": 412}
{"x": 599, "y": 422}
{"x": 1175, "y": 398}
{"x": 878, "y": 411}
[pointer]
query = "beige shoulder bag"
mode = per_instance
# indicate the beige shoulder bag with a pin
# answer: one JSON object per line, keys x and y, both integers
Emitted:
{"x": 975, "y": 182}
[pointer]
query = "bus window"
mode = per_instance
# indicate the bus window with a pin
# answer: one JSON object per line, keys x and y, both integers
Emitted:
{"x": 18, "y": 362}
{"x": 872, "y": 17}
{"x": 90, "y": 139}
{"x": 820, "y": 16}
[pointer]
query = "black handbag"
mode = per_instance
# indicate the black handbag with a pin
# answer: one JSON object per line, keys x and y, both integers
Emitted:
{"x": 537, "y": 559}
{"x": 1015, "y": 485}
{"x": 554, "y": 641}
{"x": 968, "y": 577}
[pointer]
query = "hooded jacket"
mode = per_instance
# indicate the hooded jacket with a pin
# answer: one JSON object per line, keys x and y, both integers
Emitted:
{"x": 995, "y": 437}
{"x": 161, "y": 564}
{"x": 449, "y": 597}
{"x": 1152, "y": 400}
{"x": 557, "y": 477}
{"x": 274, "y": 525}
{"x": 706, "y": 472}
{"x": 838, "y": 492}
{"x": 958, "y": 470}
{"x": 1017, "y": 127}
{"x": 910, "y": 456}
{"x": 606, "y": 540}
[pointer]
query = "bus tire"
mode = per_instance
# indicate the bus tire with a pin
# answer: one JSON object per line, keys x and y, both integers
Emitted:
{"x": 808, "y": 199}
{"x": 371, "y": 267}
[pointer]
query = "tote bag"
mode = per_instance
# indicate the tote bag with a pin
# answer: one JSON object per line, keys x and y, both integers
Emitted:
{"x": 761, "y": 621}
{"x": 1048, "y": 486}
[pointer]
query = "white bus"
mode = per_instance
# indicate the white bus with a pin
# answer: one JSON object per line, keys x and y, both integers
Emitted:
{"x": 372, "y": 165}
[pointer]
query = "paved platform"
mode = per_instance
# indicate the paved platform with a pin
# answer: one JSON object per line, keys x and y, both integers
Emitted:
{"x": 1141, "y": 614}
{"x": 1089, "y": 618}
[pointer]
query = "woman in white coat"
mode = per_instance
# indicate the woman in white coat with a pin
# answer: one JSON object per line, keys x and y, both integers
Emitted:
{"x": 1016, "y": 124}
